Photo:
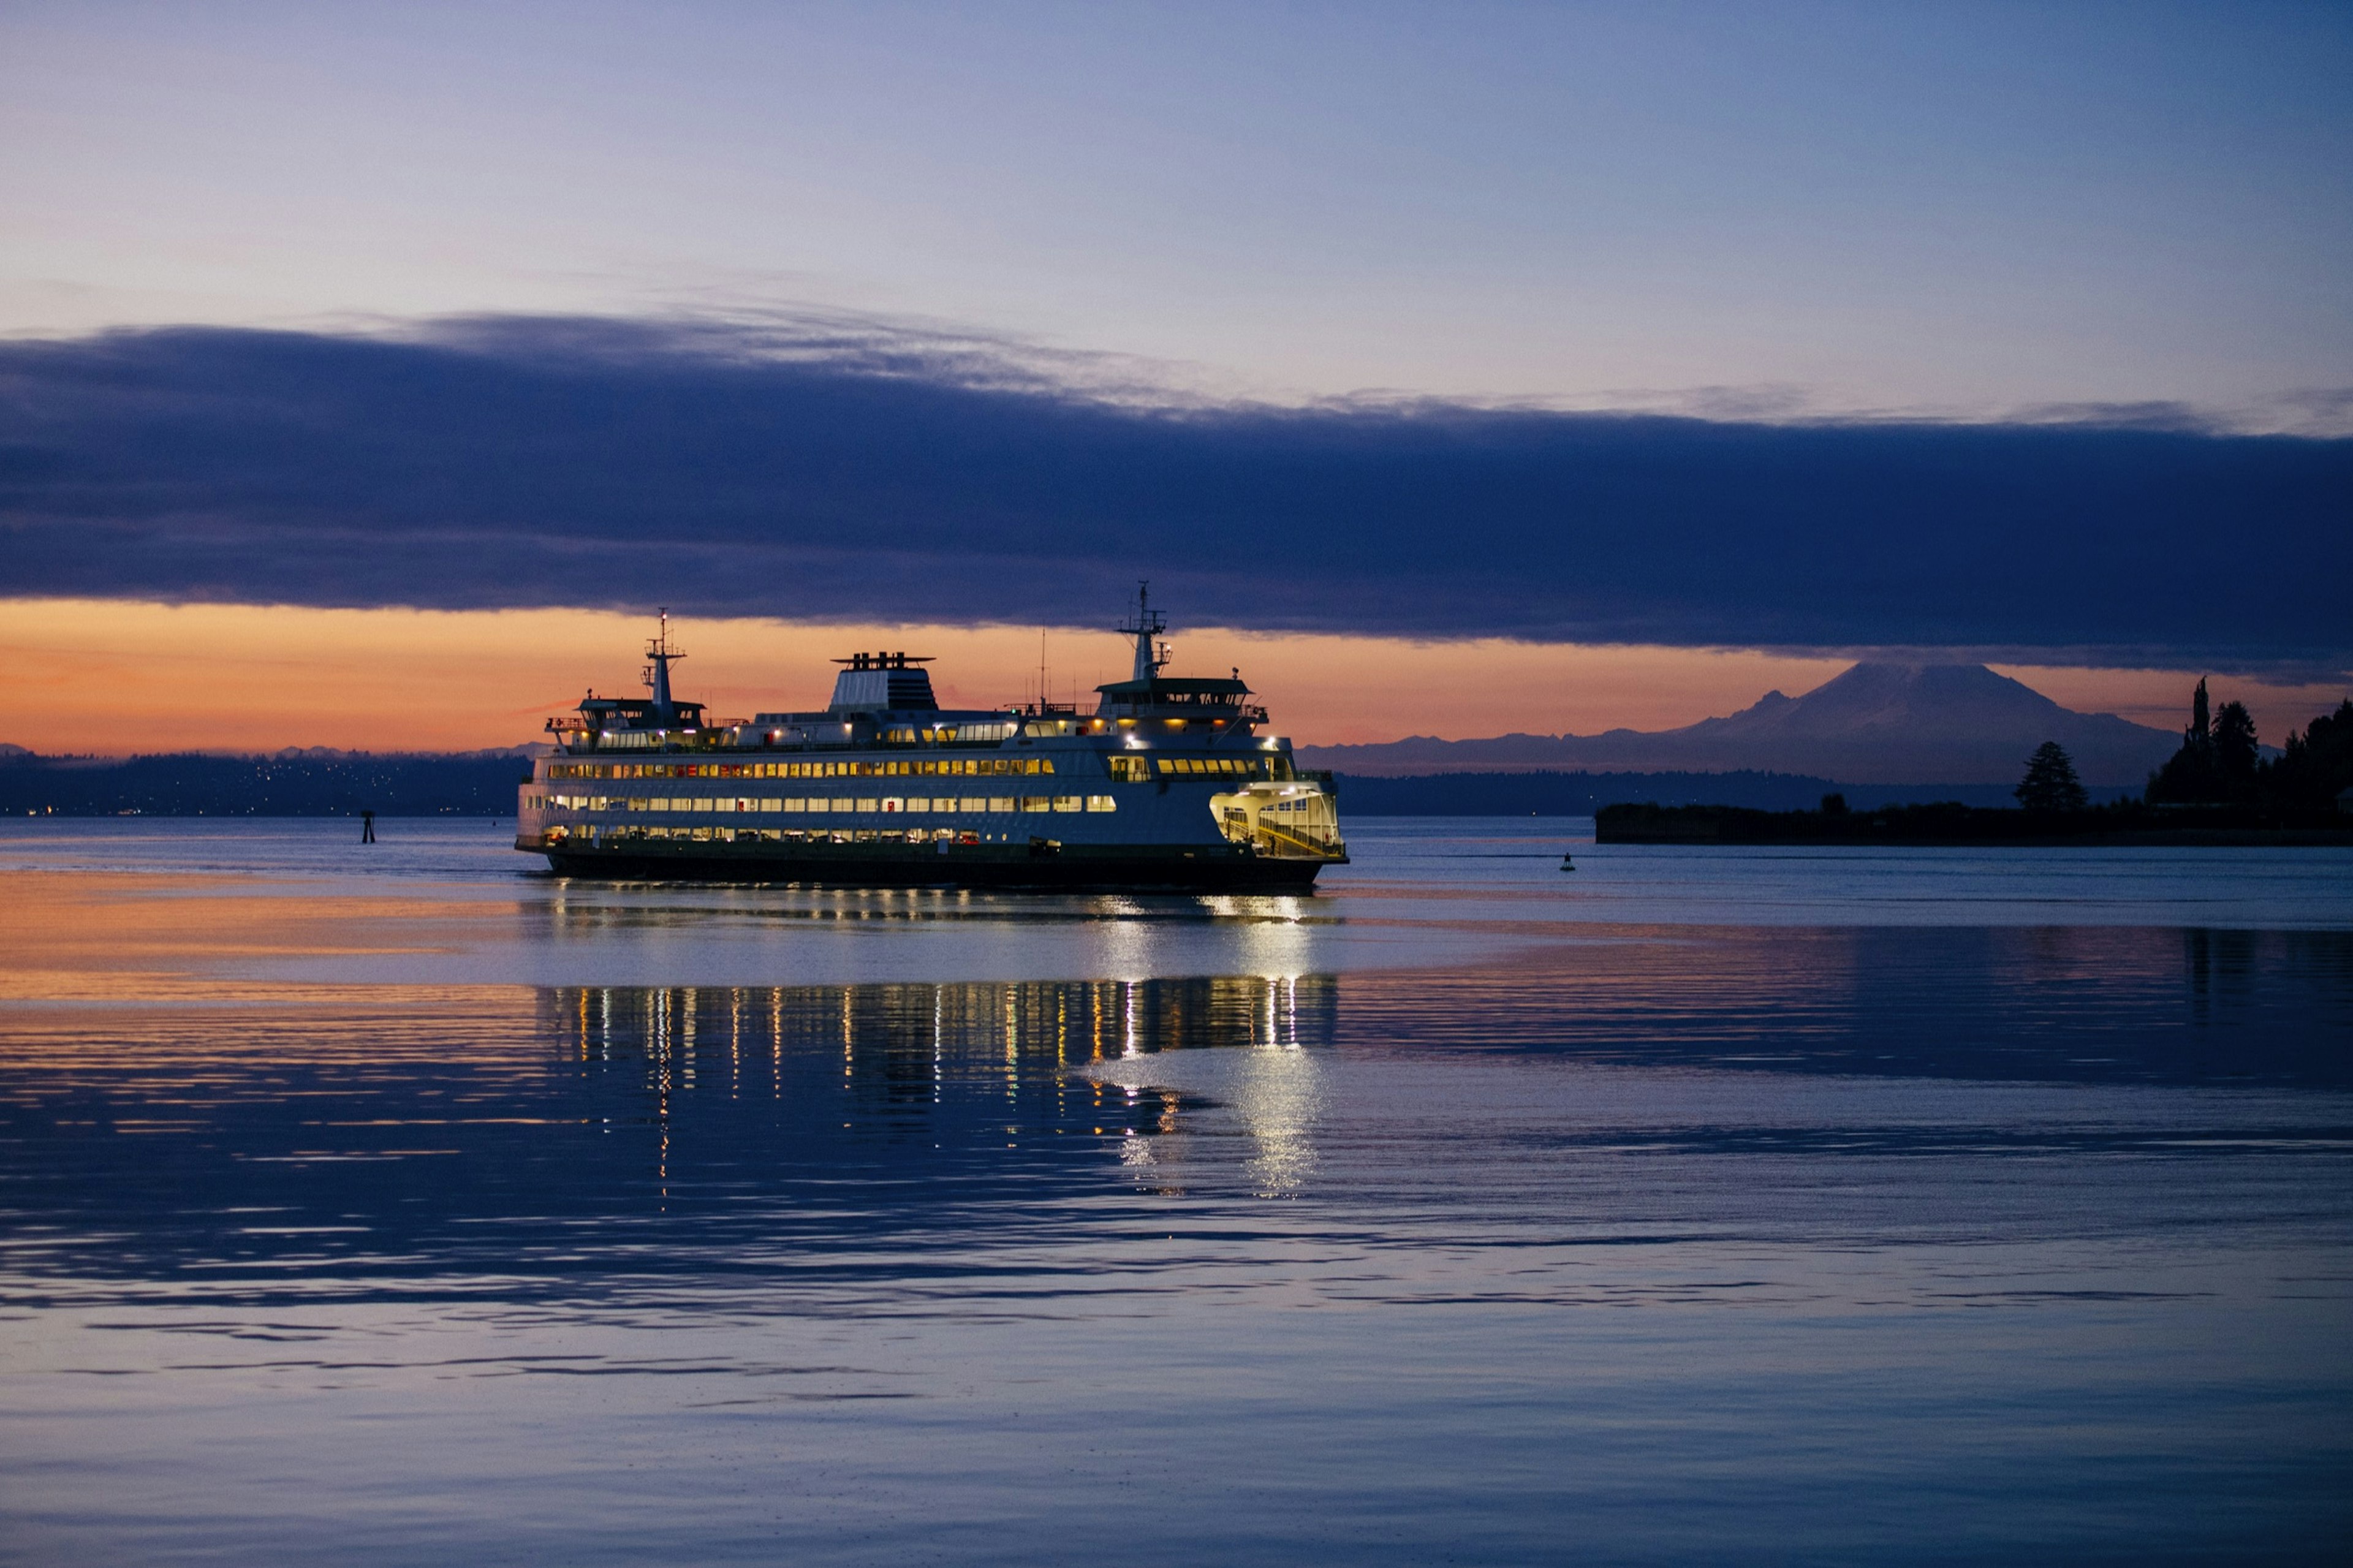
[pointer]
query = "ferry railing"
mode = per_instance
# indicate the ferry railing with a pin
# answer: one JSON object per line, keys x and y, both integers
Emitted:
{"x": 1314, "y": 846}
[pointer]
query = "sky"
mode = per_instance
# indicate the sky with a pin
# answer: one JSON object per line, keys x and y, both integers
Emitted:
{"x": 114, "y": 676}
{"x": 1626, "y": 359}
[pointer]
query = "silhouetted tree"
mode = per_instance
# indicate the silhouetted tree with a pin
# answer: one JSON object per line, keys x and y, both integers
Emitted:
{"x": 2050, "y": 783}
{"x": 2315, "y": 765}
{"x": 2189, "y": 775}
{"x": 2234, "y": 751}
{"x": 1834, "y": 806}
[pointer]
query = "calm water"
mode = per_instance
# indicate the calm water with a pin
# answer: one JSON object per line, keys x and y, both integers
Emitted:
{"x": 393, "y": 1203}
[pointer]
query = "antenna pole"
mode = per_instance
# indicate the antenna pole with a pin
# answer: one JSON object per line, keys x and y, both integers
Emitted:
{"x": 656, "y": 674}
{"x": 1150, "y": 654}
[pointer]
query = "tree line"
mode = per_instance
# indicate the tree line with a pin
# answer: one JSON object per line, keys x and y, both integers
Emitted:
{"x": 2221, "y": 763}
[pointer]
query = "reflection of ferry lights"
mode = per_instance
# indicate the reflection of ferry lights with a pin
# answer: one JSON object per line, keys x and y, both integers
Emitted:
{"x": 1166, "y": 784}
{"x": 928, "y": 1032}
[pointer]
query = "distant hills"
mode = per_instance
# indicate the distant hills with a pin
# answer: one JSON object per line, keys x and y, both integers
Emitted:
{"x": 1883, "y": 733}
{"x": 1879, "y": 723}
{"x": 320, "y": 782}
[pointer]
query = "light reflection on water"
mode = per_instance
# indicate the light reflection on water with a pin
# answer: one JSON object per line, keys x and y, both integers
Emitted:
{"x": 1745, "y": 1239}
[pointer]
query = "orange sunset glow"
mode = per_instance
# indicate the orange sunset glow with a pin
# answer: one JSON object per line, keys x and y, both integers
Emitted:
{"x": 112, "y": 678}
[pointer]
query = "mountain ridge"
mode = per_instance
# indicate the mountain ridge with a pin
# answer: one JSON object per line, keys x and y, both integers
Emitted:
{"x": 1876, "y": 721}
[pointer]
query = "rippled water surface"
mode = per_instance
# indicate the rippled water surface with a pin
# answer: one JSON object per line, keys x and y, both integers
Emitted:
{"x": 397, "y": 1203}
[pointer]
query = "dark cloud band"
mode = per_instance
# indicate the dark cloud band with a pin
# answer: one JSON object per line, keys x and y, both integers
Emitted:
{"x": 856, "y": 476}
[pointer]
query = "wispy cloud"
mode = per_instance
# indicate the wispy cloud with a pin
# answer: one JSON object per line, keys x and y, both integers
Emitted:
{"x": 839, "y": 466}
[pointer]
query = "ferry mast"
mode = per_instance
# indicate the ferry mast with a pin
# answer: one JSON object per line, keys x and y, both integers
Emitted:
{"x": 657, "y": 673}
{"x": 1151, "y": 654}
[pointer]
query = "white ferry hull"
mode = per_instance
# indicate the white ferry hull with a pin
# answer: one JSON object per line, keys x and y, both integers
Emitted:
{"x": 1221, "y": 867}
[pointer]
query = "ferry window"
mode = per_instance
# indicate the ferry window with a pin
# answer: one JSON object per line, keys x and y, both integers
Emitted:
{"x": 839, "y": 805}
{"x": 914, "y": 803}
{"x": 771, "y": 803}
{"x": 795, "y": 804}
{"x": 1101, "y": 803}
{"x": 702, "y": 805}
{"x": 1000, "y": 803}
{"x": 1069, "y": 803}
{"x": 869, "y": 805}
{"x": 1130, "y": 770}
{"x": 817, "y": 803}
{"x": 1036, "y": 802}
{"x": 948, "y": 802}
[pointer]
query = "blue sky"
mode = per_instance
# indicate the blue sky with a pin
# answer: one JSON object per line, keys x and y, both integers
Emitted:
{"x": 1976, "y": 211}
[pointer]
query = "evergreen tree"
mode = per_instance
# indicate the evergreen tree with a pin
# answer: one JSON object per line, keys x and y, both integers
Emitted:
{"x": 2050, "y": 783}
{"x": 2234, "y": 751}
{"x": 2189, "y": 775}
{"x": 2315, "y": 765}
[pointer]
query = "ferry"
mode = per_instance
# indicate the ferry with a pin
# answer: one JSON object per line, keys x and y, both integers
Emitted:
{"x": 1169, "y": 784}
